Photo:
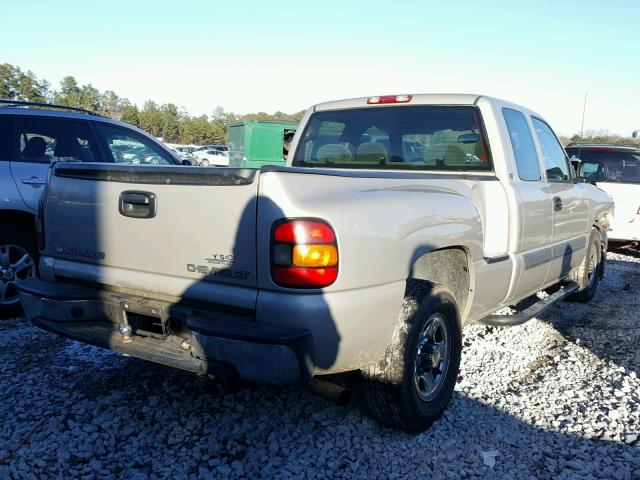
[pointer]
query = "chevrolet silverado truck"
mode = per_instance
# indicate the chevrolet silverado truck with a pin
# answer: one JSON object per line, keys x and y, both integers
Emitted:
{"x": 396, "y": 221}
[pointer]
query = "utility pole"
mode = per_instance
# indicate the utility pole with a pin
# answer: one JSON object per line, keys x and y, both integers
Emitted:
{"x": 584, "y": 109}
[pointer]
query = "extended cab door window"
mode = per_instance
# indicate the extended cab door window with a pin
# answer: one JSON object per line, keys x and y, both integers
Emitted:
{"x": 126, "y": 146}
{"x": 524, "y": 150}
{"x": 553, "y": 155}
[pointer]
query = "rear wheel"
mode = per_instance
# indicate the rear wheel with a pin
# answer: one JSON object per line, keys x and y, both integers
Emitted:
{"x": 411, "y": 387}
{"x": 589, "y": 272}
{"x": 18, "y": 257}
{"x": 204, "y": 163}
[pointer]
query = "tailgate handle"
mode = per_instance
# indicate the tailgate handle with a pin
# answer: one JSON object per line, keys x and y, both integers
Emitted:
{"x": 136, "y": 204}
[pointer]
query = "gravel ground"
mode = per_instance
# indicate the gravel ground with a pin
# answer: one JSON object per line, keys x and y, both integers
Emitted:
{"x": 558, "y": 397}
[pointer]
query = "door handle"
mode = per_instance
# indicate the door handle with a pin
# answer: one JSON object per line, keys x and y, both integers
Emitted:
{"x": 137, "y": 204}
{"x": 557, "y": 204}
{"x": 34, "y": 181}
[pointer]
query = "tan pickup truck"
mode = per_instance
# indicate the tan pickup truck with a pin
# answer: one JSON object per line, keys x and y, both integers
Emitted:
{"x": 396, "y": 221}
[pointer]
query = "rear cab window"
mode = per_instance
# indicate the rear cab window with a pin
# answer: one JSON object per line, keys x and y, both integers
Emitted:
{"x": 46, "y": 140}
{"x": 622, "y": 166}
{"x": 435, "y": 137}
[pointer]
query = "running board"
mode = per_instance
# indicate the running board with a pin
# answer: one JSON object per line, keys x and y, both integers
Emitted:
{"x": 530, "y": 312}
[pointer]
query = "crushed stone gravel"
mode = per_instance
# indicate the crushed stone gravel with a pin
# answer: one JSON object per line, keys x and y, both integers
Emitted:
{"x": 558, "y": 397}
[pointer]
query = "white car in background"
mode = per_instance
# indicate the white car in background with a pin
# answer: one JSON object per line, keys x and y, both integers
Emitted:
{"x": 623, "y": 185}
{"x": 212, "y": 157}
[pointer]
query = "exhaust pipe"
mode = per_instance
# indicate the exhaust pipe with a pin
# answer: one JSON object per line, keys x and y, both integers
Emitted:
{"x": 330, "y": 391}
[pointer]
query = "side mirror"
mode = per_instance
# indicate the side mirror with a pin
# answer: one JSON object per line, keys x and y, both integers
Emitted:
{"x": 575, "y": 163}
{"x": 636, "y": 134}
{"x": 593, "y": 171}
{"x": 469, "y": 138}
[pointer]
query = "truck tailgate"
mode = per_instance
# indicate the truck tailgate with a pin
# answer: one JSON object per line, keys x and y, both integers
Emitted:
{"x": 180, "y": 231}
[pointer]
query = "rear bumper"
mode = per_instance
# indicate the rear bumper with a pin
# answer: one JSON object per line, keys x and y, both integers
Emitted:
{"x": 219, "y": 342}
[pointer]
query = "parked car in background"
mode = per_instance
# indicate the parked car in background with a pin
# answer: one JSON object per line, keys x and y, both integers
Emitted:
{"x": 185, "y": 153}
{"x": 353, "y": 256}
{"x": 623, "y": 184}
{"x": 211, "y": 156}
{"x": 255, "y": 144}
{"x": 32, "y": 136}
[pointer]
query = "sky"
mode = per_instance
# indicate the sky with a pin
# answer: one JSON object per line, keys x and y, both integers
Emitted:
{"x": 250, "y": 56}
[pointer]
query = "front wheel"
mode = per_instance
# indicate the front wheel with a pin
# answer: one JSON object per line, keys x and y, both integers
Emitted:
{"x": 18, "y": 257}
{"x": 411, "y": 387}
{"x": 588, "y": 274}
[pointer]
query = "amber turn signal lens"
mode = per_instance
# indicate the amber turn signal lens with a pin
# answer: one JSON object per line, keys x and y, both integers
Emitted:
{"x": 315, "y": 255}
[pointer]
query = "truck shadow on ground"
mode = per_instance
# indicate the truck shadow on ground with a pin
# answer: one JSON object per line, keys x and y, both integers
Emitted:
{"x": 140, "y": 419}
{"x": 609, "y": 324}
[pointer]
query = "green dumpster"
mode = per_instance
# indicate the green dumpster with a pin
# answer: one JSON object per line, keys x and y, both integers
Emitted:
{"x": 254, "y": 144}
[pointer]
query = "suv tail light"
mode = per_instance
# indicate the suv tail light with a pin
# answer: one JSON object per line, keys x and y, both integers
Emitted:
{"x": 304, "y": 254}
{"x": 40, "y": 224}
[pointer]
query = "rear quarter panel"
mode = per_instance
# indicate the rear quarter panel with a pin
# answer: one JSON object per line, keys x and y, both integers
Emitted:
{"x": 382, "y": 226}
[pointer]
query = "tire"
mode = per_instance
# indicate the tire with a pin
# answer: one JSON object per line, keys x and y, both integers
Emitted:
{"x": 397, "y": 390}
{"x": 204, "y": 163}
{"x": 590, "y": 271}
{"x": 18, "y": 261}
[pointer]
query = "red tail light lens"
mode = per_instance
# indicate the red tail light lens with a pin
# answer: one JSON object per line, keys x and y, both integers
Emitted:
{"x": 304, "y": 254}
{"x": 304, "y": 232}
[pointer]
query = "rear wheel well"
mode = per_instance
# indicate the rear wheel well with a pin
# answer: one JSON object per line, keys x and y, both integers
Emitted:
{"x": 448, "y": 267}
{"x": 18, "y": 220}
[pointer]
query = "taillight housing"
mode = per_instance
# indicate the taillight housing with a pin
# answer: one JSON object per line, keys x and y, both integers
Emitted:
{"x": 40, "y": 224}
{"x": 304, "y": 253}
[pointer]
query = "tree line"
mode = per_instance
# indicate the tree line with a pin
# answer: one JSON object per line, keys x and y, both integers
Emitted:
{"x": 598, "y": 137}
{"x": 169, "y": 121}
{"x": 172, "y": 123}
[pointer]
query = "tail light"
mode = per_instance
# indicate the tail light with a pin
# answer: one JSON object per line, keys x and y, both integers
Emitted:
{"x": 304, "y": 254}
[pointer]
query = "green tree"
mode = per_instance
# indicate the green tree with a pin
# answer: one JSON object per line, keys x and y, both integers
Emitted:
{"x": 151, "y": 118}
{"x": 7, "y": 81}
{"x": 69, "y": 92}
{"x": 170, "y": 123}
{"x": 111, "y": 105}
{"x": 90, "y": 98}
{"x": 23, "y": 86}
{"x": 129, "y": 113}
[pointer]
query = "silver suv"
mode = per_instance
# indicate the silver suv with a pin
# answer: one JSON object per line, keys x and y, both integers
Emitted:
{"x": 32, "y": 137}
